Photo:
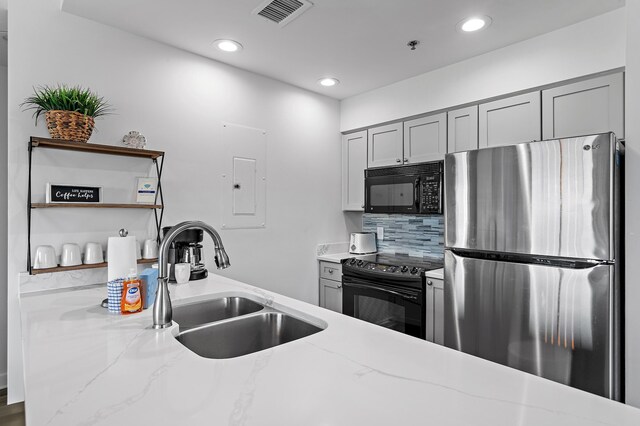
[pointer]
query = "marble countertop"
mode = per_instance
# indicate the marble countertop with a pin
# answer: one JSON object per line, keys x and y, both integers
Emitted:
{"x": 335, "y": 257}
{"x": 436, "y": 273}
{"x": 84, "y": 366}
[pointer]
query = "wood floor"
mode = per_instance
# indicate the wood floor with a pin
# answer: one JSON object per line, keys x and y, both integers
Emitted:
{"x": 10, "y": 415}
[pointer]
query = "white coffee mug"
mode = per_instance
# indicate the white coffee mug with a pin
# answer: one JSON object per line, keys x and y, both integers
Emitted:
{"x": 150, "y": 249}
{"x": 182, "y": 272}
{"x": 93, "y": 254}
{"x": 45, "y": 258}
{"x": 70, "y": 255}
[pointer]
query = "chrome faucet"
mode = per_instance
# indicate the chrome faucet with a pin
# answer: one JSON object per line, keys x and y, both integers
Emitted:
{"x": 162, "y": 312}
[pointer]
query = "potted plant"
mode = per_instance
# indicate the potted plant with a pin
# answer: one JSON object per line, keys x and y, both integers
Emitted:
{"x": 69, "y": 111}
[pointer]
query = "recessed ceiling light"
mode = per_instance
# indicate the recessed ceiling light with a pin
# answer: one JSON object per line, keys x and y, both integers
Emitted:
{"x": 474, "y": 23}
{"x": 328, "y": 81}
{"x": 228, "y": 45}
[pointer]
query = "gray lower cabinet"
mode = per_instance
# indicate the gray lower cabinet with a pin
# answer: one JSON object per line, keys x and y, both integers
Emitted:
{"x": 434, "y": 296}
{"x": 586, "y": 107}
{"x": 384, "y": 147}
{"x": 425, "y": 139}
{"x": 510, "y": 120}
{"x": 331, "y": 286}
{"x": 354, "y": 161}
{"x": 463, "y": 129}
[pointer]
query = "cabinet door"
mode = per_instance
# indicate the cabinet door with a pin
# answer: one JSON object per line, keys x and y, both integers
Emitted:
{"x": 435, "y": 311}
{"x": 331, "y": 295}
{"x": 354, "y": 161}
{"x": 583, "y": 108}
{"x": 510, "y": 121}
{"x": 463, "y": 129}
{"x": 385, "y": 145}
{"x": 425, "y": 139}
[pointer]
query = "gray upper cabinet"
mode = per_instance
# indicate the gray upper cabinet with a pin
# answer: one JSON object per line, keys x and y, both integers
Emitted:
{"x": 463, "y": 129}
{"x": 385, "y": 145}
{"x": 509, "y": 121}
{"x": 591, "y": 106}
{"x": 354, "y": 161}
{"x": 425, "y": 139}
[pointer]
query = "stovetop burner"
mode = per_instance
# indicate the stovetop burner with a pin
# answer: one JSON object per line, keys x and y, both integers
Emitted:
{"x": 396, "y": 265}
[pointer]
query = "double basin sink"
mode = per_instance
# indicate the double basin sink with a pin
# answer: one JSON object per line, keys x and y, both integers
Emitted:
{"x": 229, "y": 327}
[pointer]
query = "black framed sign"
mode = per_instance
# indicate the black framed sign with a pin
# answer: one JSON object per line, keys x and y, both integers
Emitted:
{"x": 61, "y": 193}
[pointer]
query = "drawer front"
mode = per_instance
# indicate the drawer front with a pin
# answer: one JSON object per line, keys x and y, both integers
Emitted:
{"x": 331, "y": 271}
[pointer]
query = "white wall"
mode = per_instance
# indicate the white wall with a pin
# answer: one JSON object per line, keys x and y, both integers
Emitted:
{"x": 591, "y": 46}
{"x": 3, "y": 226}
{"x": 632, "y": 203}
{"x": 179, "y": 100}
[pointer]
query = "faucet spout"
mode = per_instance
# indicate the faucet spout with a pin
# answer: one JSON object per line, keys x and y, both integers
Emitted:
{"x": 162, "y": 311}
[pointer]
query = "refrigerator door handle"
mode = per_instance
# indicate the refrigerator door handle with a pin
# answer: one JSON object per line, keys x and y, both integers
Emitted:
{"x": 552, "y": 261}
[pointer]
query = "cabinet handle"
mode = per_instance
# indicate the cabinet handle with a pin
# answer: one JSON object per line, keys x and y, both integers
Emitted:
{"x": 398, "y": 160}
{"x": 362, "y": 205}
{"x": 339, "y": 286}
{"x": 429, "y": 282}
{"x": 330, "y": 271}
{"x": 406, "y": 160}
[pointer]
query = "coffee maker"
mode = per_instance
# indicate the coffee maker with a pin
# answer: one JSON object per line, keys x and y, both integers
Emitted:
{"x": 186, "y": 248}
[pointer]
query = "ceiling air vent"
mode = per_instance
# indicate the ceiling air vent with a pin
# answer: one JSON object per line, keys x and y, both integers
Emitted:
{"x": 282, "y": 11}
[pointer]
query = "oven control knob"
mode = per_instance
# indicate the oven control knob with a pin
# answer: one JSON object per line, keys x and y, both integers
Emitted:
{"x": 360, "y": 262}
{"x": 414, "y": 270}
{"x": 404, "y": 269}
{"x": 352, "y": 262}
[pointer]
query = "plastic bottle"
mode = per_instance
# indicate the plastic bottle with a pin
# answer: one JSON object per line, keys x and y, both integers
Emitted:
{"x": 132, "y": 296}
{"x": 149, "y": 280}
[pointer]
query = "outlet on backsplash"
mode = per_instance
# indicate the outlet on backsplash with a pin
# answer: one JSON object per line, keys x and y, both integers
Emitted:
{"x": 417, "y": 236}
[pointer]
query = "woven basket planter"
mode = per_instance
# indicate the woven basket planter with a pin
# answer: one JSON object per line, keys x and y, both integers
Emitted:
{"x": 69, "y": 125}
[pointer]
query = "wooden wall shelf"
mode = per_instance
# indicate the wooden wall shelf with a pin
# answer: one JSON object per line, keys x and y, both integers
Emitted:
{"x": 95, "y": 206}
{"x": 94, "y": 148}
{"x": 157, "y": 157}
{"x": 80, "y": 267}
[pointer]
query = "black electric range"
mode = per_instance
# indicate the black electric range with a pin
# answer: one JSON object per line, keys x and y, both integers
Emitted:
{"x": 387, "y": 290}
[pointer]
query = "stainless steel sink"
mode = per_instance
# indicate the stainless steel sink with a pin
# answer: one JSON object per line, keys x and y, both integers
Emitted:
{"x": 245, "y": 335}
{"x": 196, "y": 314}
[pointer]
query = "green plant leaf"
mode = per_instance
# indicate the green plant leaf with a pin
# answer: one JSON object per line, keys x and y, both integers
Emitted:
{"x": 65, "y": 98}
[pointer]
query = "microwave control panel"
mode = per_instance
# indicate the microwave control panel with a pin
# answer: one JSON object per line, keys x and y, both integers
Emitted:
{"x": 431, "y": 195}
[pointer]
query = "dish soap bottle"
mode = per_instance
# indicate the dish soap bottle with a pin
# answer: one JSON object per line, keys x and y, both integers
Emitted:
{"x": 131, "y": 301}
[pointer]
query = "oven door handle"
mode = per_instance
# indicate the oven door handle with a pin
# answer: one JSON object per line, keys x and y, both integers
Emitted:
{"x": 382, "y": 289}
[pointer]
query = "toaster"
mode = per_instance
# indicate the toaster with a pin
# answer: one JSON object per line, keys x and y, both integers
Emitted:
{"x": 362, "y": 243}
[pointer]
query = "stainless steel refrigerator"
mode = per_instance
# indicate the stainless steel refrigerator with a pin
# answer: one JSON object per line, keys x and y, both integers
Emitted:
{"x": 532, "y": 259}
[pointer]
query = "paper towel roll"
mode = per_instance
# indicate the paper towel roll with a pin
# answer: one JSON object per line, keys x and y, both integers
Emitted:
{"x": 121, "y": 255}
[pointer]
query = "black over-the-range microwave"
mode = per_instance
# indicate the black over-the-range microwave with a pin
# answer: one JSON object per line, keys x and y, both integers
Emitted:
{"x": 411, "y": 189}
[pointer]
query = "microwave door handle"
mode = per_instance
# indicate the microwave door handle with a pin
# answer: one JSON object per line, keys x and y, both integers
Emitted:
{"x": 416, "y": 194}
{"x": 382, "y": 289}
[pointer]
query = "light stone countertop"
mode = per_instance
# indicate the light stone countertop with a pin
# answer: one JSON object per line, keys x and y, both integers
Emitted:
{"x": 336, "y": 257}
{"x": 84, "y": 366}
